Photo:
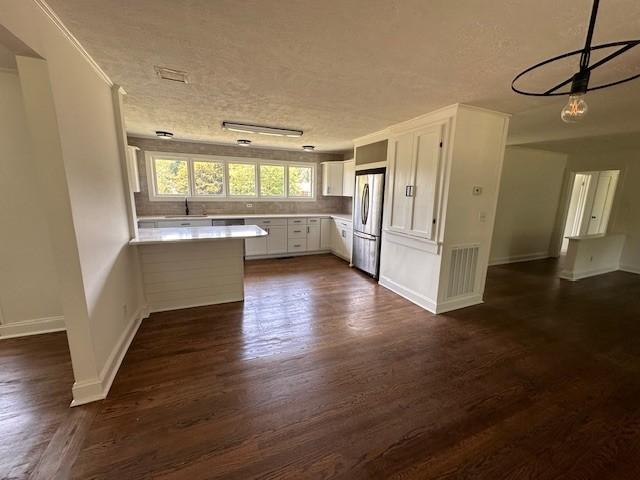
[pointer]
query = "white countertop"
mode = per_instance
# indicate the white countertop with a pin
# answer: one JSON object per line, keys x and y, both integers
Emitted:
{"x": 154, "y": 236}
{"x": 341, "y": 216}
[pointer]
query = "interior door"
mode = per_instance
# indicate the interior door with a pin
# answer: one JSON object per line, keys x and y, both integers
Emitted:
{"x": 602, "y": 202}
{"x": 402, "y": 158}
{"x": 426, "y": 180}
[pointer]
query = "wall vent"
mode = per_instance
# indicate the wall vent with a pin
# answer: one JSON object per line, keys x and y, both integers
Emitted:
{"x": 462, "y": 271}
{"x": 172, "y": 75}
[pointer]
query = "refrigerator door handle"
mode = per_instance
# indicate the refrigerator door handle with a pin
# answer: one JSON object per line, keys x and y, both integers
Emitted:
{"x": 365, "y": 203}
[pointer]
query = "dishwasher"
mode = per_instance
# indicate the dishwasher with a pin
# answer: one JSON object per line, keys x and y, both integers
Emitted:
{"x": 227, "y": 221}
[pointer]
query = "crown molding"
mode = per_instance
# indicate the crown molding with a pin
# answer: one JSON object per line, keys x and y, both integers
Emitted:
{"x": 74, "y": 41}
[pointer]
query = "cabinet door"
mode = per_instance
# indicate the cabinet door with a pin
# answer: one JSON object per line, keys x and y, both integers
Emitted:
{"x": 313, "y": 237}
{"x": 326, "y": 229}
{"x": 348, "y": 178}
{"x": 277, "y": 240}
{"x": 332, "y": 178}
{"x": 401, "y": 172}
{"x": 348, "y": 243}
{"x": 426, "y": 176}
{"x": 255, "y": 246}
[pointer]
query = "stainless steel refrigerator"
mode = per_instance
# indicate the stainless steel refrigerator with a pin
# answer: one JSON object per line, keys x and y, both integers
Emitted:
{"x": 367, "y": 220}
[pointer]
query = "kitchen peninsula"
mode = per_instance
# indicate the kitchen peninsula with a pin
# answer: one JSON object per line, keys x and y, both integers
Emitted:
{"x": 193, "y": 266}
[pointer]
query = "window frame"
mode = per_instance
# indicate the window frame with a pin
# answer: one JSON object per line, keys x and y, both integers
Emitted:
{"x": 313, "y": 181}
{"x": 151, "y": 156}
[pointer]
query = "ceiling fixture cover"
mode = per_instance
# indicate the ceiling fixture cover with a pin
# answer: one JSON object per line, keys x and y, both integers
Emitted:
{"x": 244, "y": 142}
{"x": 577, "y": 108}
{"x": 308, "y": 148}
{"x": 261, "y": 130}
{"x": 164, "y": 135}
{"x": 170, "y": 74}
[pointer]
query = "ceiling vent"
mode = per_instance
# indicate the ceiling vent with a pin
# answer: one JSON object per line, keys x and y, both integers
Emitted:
{"x": 170, "y": 74}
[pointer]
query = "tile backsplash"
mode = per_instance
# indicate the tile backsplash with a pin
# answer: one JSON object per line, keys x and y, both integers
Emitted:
{"x": 145, "y": 207}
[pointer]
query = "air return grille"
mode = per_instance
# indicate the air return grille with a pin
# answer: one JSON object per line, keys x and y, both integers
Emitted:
{"x": 462, "y": 271}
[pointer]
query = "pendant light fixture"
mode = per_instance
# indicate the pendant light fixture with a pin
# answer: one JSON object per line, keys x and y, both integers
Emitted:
{"x": 576, "y": 108}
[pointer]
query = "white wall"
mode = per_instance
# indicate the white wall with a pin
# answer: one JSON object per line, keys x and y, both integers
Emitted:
{"x": 628, "y": 214}
{"x": 530, "y": 190}
{"x": 29, "y": 294}
{"x": 101, "y": 278}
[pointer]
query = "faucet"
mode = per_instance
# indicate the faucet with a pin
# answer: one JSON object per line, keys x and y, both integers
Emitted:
{"x": 186, "y": 206}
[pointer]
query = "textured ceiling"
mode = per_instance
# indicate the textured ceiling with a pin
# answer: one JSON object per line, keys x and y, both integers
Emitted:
{"x": 340, "y": 69}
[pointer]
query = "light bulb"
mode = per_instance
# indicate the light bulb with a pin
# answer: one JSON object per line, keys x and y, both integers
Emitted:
{"x": 575, "y": 109}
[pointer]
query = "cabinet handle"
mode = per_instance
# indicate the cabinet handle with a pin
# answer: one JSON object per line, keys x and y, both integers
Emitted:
{"x": 266, "y": 221}
{"x": 185, "y": 224}
{"x": 297, "y": 246}
{"x": 307, "y": 230}
{"x": 268, "y": 231}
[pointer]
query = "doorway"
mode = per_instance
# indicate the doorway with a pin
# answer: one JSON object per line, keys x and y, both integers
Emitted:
{"x": 590, "y": 204}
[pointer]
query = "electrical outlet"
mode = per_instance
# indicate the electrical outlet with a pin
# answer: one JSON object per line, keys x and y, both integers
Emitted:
{"x": 249, "y": 205}
{"x": 483, "y": 217}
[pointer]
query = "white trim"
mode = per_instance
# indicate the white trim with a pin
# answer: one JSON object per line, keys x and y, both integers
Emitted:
{"x": 291, "y": 254}
{"x": 630, "y": 269}
{"x": 368, "y": 166}
{"x": 412, "y": 241}
{"x": 409, "y": 294}
{"x": 32, "y": 327}
{"x": 458, "y": 303}
{"x": 574, "y": 276}
{"x": 73, "y": 40}
{"x": 12, "y": 71}
{"x": 199, "y": 304}
{"x": 98, "y": 388}
{"x": 526, "y": 257}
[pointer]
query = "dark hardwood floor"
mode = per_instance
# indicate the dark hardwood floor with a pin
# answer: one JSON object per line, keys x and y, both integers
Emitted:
{"x": 321, "y": 373}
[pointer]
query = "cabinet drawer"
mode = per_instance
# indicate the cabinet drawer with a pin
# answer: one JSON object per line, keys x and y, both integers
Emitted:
{"x": 344, "y": 224}
{"x": 266, "y": 222}
{"x": 297, "y": 221}
{"x": 297, "y": 231}
{"x": 297, "y": 245}
{"x": 314, "y": 221}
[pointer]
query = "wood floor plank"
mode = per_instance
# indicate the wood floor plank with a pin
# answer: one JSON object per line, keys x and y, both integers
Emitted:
{"x": 322, "y": 374}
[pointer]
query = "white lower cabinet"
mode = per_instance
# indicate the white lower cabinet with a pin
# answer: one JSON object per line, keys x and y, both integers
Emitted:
{"x": 297, "y": 245}
{"x": 276, "y": 240}
{"x": 342, "y": 239}
{"x": 313, "y": 238}
{"x": 255, "y": 246}
{"x": 326, "y": 233}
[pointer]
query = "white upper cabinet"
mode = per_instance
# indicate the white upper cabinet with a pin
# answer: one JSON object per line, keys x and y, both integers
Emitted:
{"x": 348, "y": 178}
{"x": 415, "y": 159}
{"x": 332, "y": 178}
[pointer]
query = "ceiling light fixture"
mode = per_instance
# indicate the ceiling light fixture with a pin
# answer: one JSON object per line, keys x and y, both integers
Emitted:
{"x": 164, "y": 135}
{"x": 577, "y": 107}
{"x": 170, "y": 74}
{"x": 308, "y": 148}
{"x": 244, "y": 142}
{"x": 261, "y": 130}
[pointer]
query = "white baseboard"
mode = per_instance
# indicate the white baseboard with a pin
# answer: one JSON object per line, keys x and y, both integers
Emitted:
{"x": 286, "y": 254}
{"x": 528, "y": 257}
{"x": 575, "y": 276}
{"x": 97, "y": 389}
{"x": 409, "y": 294}
{"x": 32, "y": 327}
{"x": 458, "y": 303}
{"x": 630, "y": 269}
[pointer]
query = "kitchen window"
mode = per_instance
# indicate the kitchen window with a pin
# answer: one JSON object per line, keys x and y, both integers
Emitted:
{"x": 211, "y": 178}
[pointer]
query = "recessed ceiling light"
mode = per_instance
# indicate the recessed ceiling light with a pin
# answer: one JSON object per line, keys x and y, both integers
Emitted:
{"x": 308, "y": 148}
{"x": 244, "y": 143}
{"x": 164, "y": 135}
{"x": 261, "y": 129}
{"x": 172, "y": 75}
